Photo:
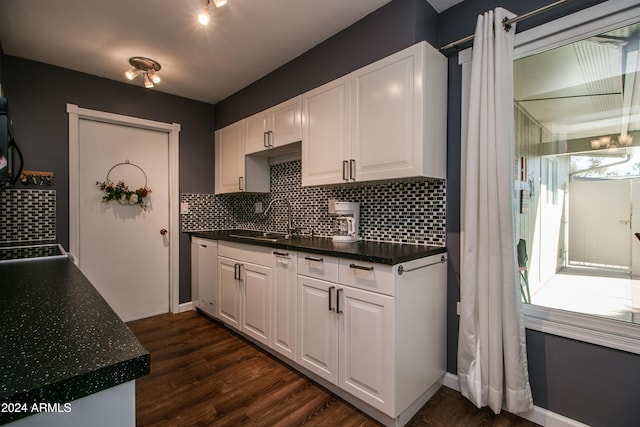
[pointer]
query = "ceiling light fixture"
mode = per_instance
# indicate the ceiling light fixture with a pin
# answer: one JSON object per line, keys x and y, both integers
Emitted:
{"x": 145, "y": 66}
{"x": 205, "y": 14}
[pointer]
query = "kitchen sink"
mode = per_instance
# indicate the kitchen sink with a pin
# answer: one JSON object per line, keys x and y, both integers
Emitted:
{"x": 265, "y": 236}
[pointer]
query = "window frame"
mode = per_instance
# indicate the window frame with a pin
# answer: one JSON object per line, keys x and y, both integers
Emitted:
{"x": 603, "y": 17}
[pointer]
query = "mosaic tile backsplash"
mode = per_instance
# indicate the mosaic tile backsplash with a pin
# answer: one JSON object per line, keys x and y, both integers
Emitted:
{"x": 27, "y": 216}
{"x": 410, "y": 212}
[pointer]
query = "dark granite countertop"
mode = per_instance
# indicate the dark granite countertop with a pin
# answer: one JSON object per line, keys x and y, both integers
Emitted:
{"x": 382, "y": 253}
{"x": 59, "y": 339}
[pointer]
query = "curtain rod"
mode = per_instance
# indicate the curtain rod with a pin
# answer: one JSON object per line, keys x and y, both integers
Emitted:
{"x": 506, "y": 23}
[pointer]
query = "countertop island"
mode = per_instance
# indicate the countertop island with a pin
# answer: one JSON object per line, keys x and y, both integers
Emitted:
{"x": 59, "y": 340}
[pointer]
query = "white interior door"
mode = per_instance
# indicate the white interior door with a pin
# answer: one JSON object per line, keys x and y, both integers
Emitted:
{"x": 122, "y": 251}
{"x": 120, "y": 248}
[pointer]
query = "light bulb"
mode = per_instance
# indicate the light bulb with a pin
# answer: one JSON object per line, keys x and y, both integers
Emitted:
{"x": 204, "y": 16}
{"x": 625, "y": 139}
{"x": 132, "y": 73}
{"x": 147, "y": 82}
{"x": 154, "y": 77}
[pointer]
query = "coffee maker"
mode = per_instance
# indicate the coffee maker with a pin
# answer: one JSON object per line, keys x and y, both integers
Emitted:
{"x": 346, "y": 216}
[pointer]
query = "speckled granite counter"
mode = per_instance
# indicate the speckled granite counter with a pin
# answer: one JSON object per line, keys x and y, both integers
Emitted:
{"x": 59, "y": 339}
{"x": 383, "y": 253}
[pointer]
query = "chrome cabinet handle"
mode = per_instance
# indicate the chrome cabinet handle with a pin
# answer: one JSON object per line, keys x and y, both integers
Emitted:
{"x": 265, "y": 139}
{"x": 361, "y": 267}
{"x": 310, "y": 258}
{"x": 241, "y": 183}
{"x": 331, "y": 288}
{"x": 338, "y": 301}
{"x": 345, "y": 166}
{"x": 352, "y": 169}
{"x": 270, "y": 139}
{"x": 278, "y": 253}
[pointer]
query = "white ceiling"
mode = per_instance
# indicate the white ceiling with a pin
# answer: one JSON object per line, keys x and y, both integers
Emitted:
{"x": 245, "y": 40}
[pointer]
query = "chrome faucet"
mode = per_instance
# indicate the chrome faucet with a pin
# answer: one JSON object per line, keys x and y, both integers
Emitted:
{"x": 289, "y": 207}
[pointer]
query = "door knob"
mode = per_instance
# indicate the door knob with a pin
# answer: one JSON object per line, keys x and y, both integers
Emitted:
{"x": 163, "y": 231}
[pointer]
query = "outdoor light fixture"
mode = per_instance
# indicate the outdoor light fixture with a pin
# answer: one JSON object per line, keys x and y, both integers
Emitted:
{"x": 608, "y": 141}
{"x": 205, "y": 14}
{"x": 145, "y": 66}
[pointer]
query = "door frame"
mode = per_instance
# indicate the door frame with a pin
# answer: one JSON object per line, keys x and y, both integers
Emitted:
{"x": 173, "y": 130}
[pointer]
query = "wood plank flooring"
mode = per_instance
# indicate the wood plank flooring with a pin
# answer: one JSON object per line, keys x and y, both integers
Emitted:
{"x": 202, "y": 374}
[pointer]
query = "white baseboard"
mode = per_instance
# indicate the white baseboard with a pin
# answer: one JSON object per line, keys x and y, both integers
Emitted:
{"x": 186, "y": 306}
{"x": 538, "y": 415}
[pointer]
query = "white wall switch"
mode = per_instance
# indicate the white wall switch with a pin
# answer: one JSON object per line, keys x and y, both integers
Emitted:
{"x": 184, "y": 208}
{"x": 257, "y": 207}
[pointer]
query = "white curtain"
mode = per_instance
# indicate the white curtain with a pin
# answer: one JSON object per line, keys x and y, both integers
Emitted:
{"x": 492, "y": 359}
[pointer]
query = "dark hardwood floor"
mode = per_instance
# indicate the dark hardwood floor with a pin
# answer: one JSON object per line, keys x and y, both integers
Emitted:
{"x": 204, "y": 375}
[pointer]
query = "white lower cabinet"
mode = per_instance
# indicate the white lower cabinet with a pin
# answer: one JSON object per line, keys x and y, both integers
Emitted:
{"x": 346, "y": 336}
{"x": 372, "y": 331}
{"x": 245, "y": 284}
{"x": 318, "y": 328}
{"x": 365, "y": 346}
{"x": 284, "y": 303}
{"x": 376, "y": 331}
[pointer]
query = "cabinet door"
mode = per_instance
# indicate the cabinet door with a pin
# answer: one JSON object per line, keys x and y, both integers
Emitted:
{"x": 284, "y": 304}
{"x": 286, "y": 122}
{"x": 326, "y": 133}
{"x": 256, "y": 128}
{"x": 386, "y": 118}
{"x": 256, "y": 285}
{"x": 317, "y": 328}
{"x": 229, "y": 160}
{"x": 366, "y": 346}
{"x": 229, "y": 292}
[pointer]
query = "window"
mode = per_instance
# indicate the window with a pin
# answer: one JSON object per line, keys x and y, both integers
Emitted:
{"x": 577, "y": 122}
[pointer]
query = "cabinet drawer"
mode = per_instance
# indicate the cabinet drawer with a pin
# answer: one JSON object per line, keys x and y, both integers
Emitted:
{"x": 259, "y": 255}
{"x": 318, "y": 266}
{"x": 367, "y": 275}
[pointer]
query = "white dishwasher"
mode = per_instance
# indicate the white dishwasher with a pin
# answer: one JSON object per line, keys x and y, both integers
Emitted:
{"x": 204, "y": 275}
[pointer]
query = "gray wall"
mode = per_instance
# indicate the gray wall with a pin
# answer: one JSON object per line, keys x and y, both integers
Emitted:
{"x": 38, "y": 94}
{"x": 396, "y": 25}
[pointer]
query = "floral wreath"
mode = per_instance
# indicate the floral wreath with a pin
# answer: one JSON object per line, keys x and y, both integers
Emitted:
{"x": 120, "y": 191}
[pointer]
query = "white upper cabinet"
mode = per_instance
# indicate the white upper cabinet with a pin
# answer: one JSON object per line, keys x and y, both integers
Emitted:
{"x": 275, "y": 127}
{"x": 396, "y": 118}
{"x": 229, "y": 160}
{"x": 236, "y": 172}
{"x": 326, "y": 133}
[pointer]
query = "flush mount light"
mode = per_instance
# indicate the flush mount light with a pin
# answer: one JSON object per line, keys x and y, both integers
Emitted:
{"x": 205, "y": 14}
{"x": 145, "y": 66}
